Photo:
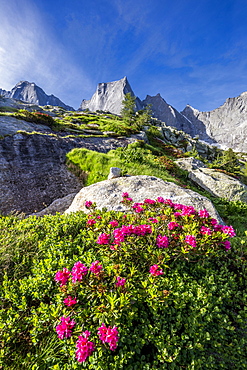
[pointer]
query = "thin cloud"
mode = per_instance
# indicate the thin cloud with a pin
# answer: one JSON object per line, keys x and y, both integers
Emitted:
{"x": 28, "y": 51}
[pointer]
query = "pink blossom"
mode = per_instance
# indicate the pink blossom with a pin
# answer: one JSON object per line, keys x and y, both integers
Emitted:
{"x": 99, "y": 217}
{"x": 103, "y": 239}
{"x": 120, "y": 281}
{"x": 79, "y": 270}
{"x": 168, "y": 202}
{"x": 96, "y": 268}
{"x": 214, "y": 222}
{"x": 178, "y": 206}
{"x": 191, "y": 240}
{"x": 172, "y": 225}
{"x": 125, "y": 195}
{"x": 108, "y": 335}
{"x": 203, "y": 213}
{"x": 69, "y": 301}
{"x": 149, "y": 201}
{"x": 229, "y": 230}
{"x": 205, "y": 230}
{"x": 153, "y": 220}
{"x": 139, "y": 209}
{"x": 64, "y": 329}
{"x": 227, "y": 244}
{"x": 91, "y": 222}
{"x": 88, "y": 204}
{"x": 154, "y": 270}
{"x": 62, "y": 276}
{"x": 160, "y": 200}
{"x": 188, "y": 210}
{"x": 177, "y": 214}
{"x": 113, "y": 223}
{"x": 84, "y": 347}
{"x": 142, "y": 230}
{"x": 162, "y": 241}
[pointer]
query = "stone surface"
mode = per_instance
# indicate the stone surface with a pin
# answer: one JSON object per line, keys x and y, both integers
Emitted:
{"x": 31, "y": 93}
{"x": 10, "y": 125}
{"x": 226, "y": 125}
{"x": 108, "y": 194}
{"x": 58, "y": 206}
{"x": 219, "y": 184}
{"x": 114, "y": 173}
{"x": 190, "y": 163}
{"x": 33, "y": 172}
{"x": 109, "y": 96}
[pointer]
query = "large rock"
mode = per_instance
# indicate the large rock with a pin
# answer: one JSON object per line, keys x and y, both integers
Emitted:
{"x": 33, "y": 172}
{"x": 31, "y": 93}
{"x": 108, "y": 194}
{"x": 219, "y": 184}
{"x": 190, "y": 163}
{"x": 109, "y": 96}
{"x": 226, "y": 125}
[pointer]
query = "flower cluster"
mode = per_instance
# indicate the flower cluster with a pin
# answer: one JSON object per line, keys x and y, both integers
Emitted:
{"x": 109, "y": 335}
{"x": 162, "y": 241}
{"x": 191, "y": 240}
{"x": 79, "y": 270}
{"x": 154, "y": 270}
{"x": 96, "y": 268}
{"x": 62, "y": 276}
{"x": 64, "y": 329}
{"x": 84, "y": 347}
{"x": 120, "y": 281}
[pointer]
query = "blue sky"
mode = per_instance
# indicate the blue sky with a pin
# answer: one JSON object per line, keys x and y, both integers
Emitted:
{"x": 190, "y": 51}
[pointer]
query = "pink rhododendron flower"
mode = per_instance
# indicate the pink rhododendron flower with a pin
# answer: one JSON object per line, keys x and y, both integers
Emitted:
{"x": 62, "y": 276}
{"x": 139, "y": 209}
{"x": 99, "y": 217}
{"x": 96, "y": 267}
{"x": 229, "y": 230}
{"x": 191, "y": 240}
{"x": 113, "y": 223}
{"x": 120, "y": 281}
{"x": 88, "y": 204}
{"x": 178, "y": 206}
{"x": 227, "y": 244}
{"x": 203, "y": 213}
{"x": 78, "y": 271}
{"x": 160, "y": 200}
{"x": 142, "y": 230}
{"x": 91, "y": 222}
{"x": 177, "y": 214}
{"x": 153, "y": 220}
{"x": 172, "y": 225}
{"x": 125, "y": 195}
{"x": 154, "y": 270}
{"x": 162, "y": 241}
{"x": 214, "y": 222}
{"x": 108, "y": 335}
{"x": 69, "y": 301}
{"x": 149, "y": 201}
{"x": 205, "y": 230}
{"x": 168, "y": 202}
{"x": 84, "y": 347}
{"x": 103, "y": 239}
{"x": 188, "y": 210}
{"x": 64, "y": 329}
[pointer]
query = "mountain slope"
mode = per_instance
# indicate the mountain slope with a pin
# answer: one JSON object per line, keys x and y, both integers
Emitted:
{"x": 227, "y": 125}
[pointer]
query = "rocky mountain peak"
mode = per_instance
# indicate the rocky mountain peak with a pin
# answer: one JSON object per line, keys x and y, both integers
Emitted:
{"x": 31, "y": 93}
{"x": 108, "y": 97}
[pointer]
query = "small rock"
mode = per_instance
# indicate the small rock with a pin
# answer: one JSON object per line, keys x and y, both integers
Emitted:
{"x": 114, "y": 173}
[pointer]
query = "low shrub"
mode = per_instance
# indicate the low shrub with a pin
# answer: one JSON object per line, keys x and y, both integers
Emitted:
{"x": 158, "y": 287}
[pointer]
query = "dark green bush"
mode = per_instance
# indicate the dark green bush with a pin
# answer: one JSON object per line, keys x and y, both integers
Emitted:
{"x": 192, "y": 316}
{"x": 35, "y": 117}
